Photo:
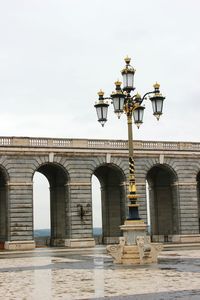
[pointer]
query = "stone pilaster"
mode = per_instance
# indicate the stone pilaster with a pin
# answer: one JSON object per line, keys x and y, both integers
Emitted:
{"x": 20, "y": 220}
{"x": 188, "y": 208}
{"x": 80, "y": 214}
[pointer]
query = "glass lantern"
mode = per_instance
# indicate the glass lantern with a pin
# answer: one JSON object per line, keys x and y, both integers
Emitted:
{"x": 101, "y": 108}
{"x": 157, "y": 102}
{"x": 138, "y": 114}
{"x": 118, "y": 99}
{"x": 128, "y": 76}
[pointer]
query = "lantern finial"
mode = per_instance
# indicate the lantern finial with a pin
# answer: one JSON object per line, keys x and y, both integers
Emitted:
{"x": 101, "y": 93}
{"x": 127, "y": 60}
{"x": 118, "y": 83}
{"x": 156, "y": 86}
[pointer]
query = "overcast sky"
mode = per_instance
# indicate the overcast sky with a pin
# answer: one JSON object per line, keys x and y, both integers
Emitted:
{"x": 56, "y": 54}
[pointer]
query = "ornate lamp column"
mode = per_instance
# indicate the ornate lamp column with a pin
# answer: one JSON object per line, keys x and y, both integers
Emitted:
{"x": 124, "y": 102}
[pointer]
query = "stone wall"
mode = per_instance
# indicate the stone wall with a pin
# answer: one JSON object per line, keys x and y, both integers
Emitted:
{"x": 69, "y": 166}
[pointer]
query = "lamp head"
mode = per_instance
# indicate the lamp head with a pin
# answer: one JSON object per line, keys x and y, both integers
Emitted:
{"x": 101, "y": 108}
{"x": 128, "y": 76}
{"x": 118, "y": 99}
{"x": 157, "y": 101}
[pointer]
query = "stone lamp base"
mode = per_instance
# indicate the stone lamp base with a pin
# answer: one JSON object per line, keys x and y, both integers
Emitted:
{"x": 135, "y": 246}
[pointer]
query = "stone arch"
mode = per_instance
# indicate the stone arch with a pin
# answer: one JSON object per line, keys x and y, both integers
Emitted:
{"x": 113, "y": 199}
{"x": 164, "y": 202}
{"x": 58, "y": 179}
{"x": 198, "y": 196}
{"x": 4, "y": 179}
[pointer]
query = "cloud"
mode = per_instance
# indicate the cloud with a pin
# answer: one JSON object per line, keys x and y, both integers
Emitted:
{"x": 56, "y": 55}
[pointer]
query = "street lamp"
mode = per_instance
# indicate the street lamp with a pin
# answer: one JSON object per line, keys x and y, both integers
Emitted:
{"x": 131, "y": 105}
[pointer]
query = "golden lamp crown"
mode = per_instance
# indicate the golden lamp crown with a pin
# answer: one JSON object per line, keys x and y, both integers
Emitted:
{"x": 118, "y": 83}
{"x": 156, "y": 86}
{"x": 101, "y": 93}
{"x": 127, "y": 60}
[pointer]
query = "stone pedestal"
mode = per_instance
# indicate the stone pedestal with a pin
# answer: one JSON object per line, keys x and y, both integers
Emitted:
{"x": 19, "y": 245}
{"x": 80, "y": 243}
{"x": 135, "y": 246}
{"x": 110, "y": 240}
{"x": 57, "y": 242}
{"x": 133, "y": 229}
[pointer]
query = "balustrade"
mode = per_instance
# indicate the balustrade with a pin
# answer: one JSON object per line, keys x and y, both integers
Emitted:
{"x": 97, "y": 144}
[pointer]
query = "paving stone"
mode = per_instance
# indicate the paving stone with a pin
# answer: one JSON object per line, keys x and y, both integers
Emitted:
{"x": 58, "y": 273}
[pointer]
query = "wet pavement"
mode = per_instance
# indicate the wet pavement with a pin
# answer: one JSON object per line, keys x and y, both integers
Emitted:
{"x": 90, "y": 274}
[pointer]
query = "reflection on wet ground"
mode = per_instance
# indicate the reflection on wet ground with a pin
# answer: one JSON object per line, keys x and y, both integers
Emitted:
{"x": 90, "y": 274}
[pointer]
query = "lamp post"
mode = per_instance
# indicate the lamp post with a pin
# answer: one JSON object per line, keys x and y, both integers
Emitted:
{"x": 124, "y": 102}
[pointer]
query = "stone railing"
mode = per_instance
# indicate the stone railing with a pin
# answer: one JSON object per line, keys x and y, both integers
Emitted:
{"x": 96, "y": 144}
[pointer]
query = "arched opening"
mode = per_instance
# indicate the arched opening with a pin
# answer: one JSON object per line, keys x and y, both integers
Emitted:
{"x": 3, "y": 208}
{"x": 198, "y": 197}
{"x": 163, "y": 203}
{"x": 96, "y": 210}
{"x": 113, "y": 199}
{"x": 58, "y": 194}
{"x": 148, "y": 209}
{"x": 41, "y": 209}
